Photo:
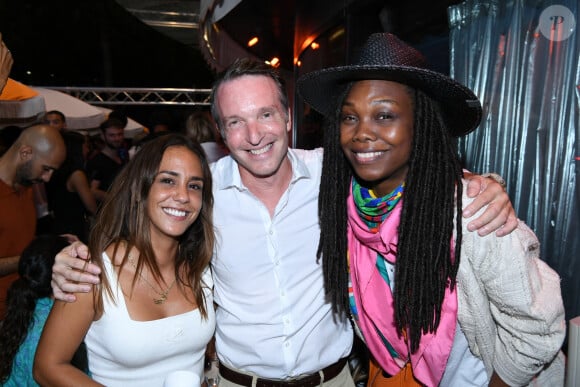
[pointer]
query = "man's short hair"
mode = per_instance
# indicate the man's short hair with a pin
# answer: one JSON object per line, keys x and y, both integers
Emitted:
{"x": 111, "y": 123}
{"x": 58, "y": 113}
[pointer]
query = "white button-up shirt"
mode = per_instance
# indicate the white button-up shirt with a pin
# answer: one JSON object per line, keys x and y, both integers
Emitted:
{"x": 272, "y": 317}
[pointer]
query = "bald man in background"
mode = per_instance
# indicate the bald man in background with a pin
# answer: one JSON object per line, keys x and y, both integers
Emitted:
{"x": 32, "y": 159}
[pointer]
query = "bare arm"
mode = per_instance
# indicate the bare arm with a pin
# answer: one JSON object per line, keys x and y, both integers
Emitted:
{"x": 499, "y": 215}
{"x": 72, "y": 273}
{"x": 64, "y": 331}
{"x": 9, "y": 265}
{"x": 80, "y": 184}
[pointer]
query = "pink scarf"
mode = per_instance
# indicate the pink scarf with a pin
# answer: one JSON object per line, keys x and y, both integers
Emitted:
{"x": 374, "y": 302}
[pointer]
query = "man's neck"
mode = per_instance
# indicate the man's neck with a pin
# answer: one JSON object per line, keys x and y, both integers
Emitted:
{"x": 7, "y": 172}
{"x": 269, "y": 189}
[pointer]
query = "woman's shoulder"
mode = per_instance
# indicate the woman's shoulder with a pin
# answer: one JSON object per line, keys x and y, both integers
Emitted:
{"x": 115, "y": 252}
{"x": 520, "y": 242}
{"x": 522, "y": 229}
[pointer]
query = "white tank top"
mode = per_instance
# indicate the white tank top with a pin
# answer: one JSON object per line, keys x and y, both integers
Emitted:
{"x": 123, "y": 352}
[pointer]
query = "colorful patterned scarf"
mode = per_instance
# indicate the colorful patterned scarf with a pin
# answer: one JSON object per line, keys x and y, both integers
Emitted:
{"x": 371, "y": 209}
{"x": 371, "y": 290}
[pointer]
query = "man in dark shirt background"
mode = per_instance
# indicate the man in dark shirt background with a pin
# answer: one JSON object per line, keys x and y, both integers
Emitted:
{"x": 105, "y": 165}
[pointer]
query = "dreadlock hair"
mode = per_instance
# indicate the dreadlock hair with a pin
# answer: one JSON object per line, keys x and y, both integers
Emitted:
{"x": 334, "y": 189}
{"x": 35, "y": 273}
{"x": 431, "y": 205}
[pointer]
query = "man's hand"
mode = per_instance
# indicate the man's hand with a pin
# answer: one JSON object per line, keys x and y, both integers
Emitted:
{"x": 499, "y": 215}
{"x": 73, "y": 273}
{"x": 6, "y": 62}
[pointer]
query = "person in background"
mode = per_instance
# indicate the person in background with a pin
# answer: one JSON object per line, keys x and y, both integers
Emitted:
{"x": 436, "y": 304}
{"x": 200, "y": 128}
{"x": 69, "y": 195}
{"x": 275, "y": 326}
{"x": 56, "y": 119}
{"x": 96, "y": 143}
{"x": 105, "y": 165}
{"x": 153, "y": 239}
{"x": 28, "y": 304}
{"x": 32, "y": 159}
{"x": 120, "y": 116}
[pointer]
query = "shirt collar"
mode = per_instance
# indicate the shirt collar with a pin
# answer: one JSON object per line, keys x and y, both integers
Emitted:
{"x": 232, "y": 179}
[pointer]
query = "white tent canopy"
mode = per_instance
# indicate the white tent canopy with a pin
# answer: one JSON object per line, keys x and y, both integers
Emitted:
{"x": 79, "y": 115}
{"x": 24, "y": 106}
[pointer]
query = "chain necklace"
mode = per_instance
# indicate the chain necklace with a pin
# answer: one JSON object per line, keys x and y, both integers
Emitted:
{"x": 162, "y": 295}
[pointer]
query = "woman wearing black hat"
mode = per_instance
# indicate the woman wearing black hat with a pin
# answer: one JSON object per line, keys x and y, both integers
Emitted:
{"x": 436, "y": 305}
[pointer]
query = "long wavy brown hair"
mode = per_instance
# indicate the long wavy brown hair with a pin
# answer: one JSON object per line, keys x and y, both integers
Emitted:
{"x": 123, "y": 220}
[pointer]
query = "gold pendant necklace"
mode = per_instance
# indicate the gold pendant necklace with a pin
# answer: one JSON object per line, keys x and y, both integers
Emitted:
{"x": 162, "y": 295}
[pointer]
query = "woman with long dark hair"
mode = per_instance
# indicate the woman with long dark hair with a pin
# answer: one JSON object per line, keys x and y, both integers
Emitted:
{"x": 436, "y": 304}
{"x": 153, "y": 312}
{"x": 68, "y": 192}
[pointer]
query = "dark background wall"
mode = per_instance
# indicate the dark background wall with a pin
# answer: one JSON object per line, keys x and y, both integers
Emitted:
{"x": 98, "y": 43}
{"x": 94, "y": 43}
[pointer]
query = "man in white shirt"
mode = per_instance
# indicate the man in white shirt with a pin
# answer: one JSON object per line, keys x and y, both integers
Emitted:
{"x": 274, "y": 325}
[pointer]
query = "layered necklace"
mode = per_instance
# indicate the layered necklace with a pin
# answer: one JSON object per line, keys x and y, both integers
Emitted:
{"x": 163, "y": 294}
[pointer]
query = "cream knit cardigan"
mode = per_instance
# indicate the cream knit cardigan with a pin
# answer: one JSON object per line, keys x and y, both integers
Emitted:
{"x": 510, "y": 307}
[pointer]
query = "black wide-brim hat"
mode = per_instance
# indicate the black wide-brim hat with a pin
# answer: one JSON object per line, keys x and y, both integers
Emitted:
{"x": 386, "y": 57}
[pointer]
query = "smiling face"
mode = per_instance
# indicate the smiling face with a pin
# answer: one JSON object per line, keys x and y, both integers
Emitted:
{"x": 376, "y": 133}
{"x": 255, "y": 124}
{"x": 175, "y": 198}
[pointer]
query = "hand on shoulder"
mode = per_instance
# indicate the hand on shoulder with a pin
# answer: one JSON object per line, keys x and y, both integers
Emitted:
{"x": 73, "y": 273}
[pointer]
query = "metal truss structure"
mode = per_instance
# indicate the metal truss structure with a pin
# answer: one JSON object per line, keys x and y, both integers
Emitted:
{"x": 108, "y": 96}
